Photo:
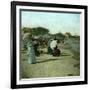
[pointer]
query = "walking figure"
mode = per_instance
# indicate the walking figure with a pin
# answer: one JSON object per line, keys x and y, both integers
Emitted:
{"x": 30, "y": 49}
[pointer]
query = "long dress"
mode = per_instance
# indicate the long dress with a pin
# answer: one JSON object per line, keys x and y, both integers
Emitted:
{"x": 31, "y": 53}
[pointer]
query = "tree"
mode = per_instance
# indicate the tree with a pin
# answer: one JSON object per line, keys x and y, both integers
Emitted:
{"x": 39, "y": 31}
{"x": 60, "y": 36}
{"x": 36, "y": 30}
{"x": 68, "y": 34}
{"x": 26, "y": 30}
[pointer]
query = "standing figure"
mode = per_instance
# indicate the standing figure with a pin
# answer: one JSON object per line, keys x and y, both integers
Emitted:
{"x": 30, "y": 49}
{"x": 54, "y": 47}
{"x": 53, "y": 44}
{"x": 49, "y": 48}
{"x": 36, "y": 44}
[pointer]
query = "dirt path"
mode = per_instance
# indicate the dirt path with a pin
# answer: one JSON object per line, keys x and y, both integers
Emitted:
{"x": 50, "y": 66}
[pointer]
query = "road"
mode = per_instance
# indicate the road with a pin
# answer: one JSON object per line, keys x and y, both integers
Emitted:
{"x": 50, "y": 66}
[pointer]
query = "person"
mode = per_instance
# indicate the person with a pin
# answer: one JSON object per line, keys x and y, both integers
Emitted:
{"x": 49, "y": 48}
{"x": 30, "y": 49}
{"x": 36, "y": 44}
{"x": 56, "y": 52}
{"x": 53, "y": 44}
{"x": 54, "y": 47}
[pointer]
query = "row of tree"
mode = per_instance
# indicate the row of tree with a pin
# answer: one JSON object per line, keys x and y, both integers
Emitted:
{"x": 42, "y": 32}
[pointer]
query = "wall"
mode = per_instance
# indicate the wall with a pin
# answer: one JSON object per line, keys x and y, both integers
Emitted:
{"x": 5, "y": 44}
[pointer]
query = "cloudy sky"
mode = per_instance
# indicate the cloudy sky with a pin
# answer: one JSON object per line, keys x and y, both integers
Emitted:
{"x": 55, "y": 22}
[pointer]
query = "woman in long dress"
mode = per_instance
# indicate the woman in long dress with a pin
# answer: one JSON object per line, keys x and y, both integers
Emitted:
{"x": 30, "y": 49}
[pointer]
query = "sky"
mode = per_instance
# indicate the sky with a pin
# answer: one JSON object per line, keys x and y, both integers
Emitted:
{"x": 55, "y": 22}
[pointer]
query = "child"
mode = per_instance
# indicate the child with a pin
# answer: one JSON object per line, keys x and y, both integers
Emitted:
{"x": 56, "y": 52}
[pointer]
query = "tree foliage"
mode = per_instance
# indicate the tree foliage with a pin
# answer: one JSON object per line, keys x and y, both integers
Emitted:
{"x": 39, "y": 31}
{"x": 26, "y": 30}
{"x": 36, "y": 30}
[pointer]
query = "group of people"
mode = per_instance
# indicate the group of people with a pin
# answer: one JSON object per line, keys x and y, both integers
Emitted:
{"x": 32, "y": 48}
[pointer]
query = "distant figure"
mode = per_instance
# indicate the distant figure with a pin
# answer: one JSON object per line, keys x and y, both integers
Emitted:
{"x": 49, "y": 48}
{"x": 56, "y": 52}
{"x": 53, "y": 44}
{"x": 54, "y": 47}
{"x": 30, "y": 49}
{"x": 36, "y": 44}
